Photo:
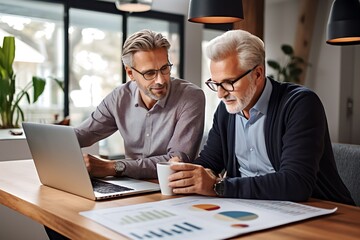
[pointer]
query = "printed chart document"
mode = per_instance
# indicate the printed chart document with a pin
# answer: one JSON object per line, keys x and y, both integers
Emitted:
{"x": 198, "y": 217}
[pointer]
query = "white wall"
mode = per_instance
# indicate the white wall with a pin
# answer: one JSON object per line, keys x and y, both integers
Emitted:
{"x": 279, "y": 26}
{"x": 324, "y": 74}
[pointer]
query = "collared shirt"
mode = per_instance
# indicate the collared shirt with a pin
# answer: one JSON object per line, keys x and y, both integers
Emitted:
{"x": 172, "y": 127}
{"x": 250, "y": 149}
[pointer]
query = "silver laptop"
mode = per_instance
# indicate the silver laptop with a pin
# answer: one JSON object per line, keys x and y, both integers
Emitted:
{"x": 59, "y": 163}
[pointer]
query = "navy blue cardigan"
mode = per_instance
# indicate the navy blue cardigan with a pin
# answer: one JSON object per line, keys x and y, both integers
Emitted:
{"x": 298, "y": 145}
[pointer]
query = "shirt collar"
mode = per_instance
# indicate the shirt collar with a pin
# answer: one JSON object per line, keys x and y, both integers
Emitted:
{"x": 263, "y": 102}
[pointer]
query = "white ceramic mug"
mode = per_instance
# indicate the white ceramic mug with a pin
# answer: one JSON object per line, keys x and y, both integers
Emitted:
{"x": 163, "y": 172}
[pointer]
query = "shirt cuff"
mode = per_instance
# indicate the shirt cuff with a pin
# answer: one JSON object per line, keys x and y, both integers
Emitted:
{"x": 183, "y": 156}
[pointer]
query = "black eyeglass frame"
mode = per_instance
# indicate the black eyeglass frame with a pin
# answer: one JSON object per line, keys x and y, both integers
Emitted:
{"x": 210, "y": 83}
{"x": 155, "y": 70}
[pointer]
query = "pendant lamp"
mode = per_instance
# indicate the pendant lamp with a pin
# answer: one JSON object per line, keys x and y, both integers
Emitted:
{"x": 215, "y": 11}
{"x": 134, "y": 5}
{"x": 344, "y": 23}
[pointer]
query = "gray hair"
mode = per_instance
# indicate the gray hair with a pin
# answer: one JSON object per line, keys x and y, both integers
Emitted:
{"x": 144, "y": 40}
{"x": 249, "y": 48}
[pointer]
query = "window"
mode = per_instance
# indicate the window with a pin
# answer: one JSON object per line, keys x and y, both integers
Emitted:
{"x": 95, "y": 42}
{"x": 38, "y": 28}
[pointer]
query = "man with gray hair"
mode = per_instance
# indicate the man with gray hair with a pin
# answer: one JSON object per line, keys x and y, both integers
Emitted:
{"x": 158, "y": 117}
{"x": 271, "y": 139}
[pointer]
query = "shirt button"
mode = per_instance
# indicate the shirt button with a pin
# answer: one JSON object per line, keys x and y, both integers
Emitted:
{"x": 147, "y": 134}
{"x": 251, "y": 149}
{"x": 148, "y": 114}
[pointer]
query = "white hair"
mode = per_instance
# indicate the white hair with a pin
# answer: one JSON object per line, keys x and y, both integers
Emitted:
{"x": 249, "y": 48}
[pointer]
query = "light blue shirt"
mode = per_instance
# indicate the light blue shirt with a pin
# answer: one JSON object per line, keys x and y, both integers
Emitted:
{"x": 250, "y": 149}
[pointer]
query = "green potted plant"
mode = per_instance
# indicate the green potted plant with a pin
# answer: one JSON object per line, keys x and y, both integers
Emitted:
{"x": 10, "y": 96}
{"x": 291, "y": 70}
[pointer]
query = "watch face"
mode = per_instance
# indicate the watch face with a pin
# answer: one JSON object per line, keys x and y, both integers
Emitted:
{"x": 119, "y": 167}
{"x": 219, "y": 188}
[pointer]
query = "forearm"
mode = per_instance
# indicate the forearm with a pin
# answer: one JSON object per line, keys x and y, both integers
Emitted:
{"x": 143, "y": 167}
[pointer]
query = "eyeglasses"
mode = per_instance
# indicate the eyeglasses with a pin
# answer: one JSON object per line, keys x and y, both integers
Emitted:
{"x": 151, "y": 74}
{"x": 227, "y": 85}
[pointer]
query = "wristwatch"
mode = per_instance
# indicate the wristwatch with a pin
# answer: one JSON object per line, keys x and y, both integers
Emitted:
{"x": 119, "y": 168}
{"x": 219, "y": 187}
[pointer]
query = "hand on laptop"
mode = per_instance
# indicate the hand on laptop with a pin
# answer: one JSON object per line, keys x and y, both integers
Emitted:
{"x": 99, "y": 167}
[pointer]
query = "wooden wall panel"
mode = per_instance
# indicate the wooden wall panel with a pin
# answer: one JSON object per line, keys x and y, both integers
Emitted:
{"x": 253, "y": 17}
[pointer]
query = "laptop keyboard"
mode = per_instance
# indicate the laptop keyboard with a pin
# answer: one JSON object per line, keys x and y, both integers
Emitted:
{"x": 105, "y": 187}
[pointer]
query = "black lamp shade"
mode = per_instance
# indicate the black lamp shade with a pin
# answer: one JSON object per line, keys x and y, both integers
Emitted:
{"x": 344, "y": 23}
{"x": 215, "y": 11}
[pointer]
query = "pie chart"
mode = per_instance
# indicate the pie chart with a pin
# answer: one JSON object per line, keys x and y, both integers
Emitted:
{"x": 206, "y": 207}
{"x": 236, "y": 216}
{"x": 240, "y": 225}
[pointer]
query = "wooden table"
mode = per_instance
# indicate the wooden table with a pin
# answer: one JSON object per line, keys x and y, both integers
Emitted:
{"x": 21, "y": 190}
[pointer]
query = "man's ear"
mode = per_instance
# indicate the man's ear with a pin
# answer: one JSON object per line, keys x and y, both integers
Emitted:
{"x": 129, "y": 72}
{"x": 259, "y": 72}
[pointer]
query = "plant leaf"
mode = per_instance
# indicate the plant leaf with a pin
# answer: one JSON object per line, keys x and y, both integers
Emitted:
{"x": 39, "y": 86}
{"x": 273, "y": 64}
{"x": 9, "y": 54}
{"x": 59, "y": 83}
{"x": 3, "y": 72}
{"x": 5, "y": 86}
{"x": 26, "y": 94}
{"x": 287, "y": 49}
{"x": 20, "y": 115}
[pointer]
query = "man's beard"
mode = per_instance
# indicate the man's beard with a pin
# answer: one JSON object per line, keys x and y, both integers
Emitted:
{"x": 148, "y": 91}
{"x": 242, "y": 102}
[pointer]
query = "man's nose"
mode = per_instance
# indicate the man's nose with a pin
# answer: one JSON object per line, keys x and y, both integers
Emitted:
{"x": 160, "y": 78}
{"x": 221, "y": 92}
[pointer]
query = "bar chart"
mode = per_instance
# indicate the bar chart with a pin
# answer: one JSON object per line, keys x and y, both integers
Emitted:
{"x": 177, "y": 230}
{"x": 145, "y": 216}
